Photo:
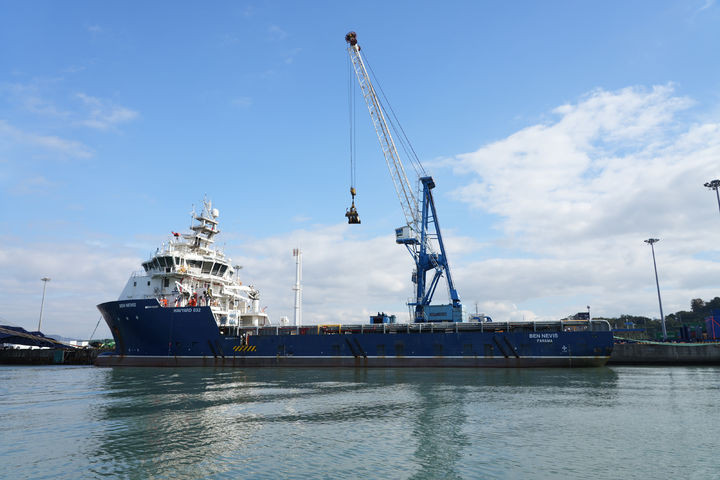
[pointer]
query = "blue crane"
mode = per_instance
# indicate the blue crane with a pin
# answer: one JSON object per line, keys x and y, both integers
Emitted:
{"x": 421, "y": 233}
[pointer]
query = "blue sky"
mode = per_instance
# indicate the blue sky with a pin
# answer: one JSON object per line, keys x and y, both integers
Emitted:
{"x": 560, "y": 135}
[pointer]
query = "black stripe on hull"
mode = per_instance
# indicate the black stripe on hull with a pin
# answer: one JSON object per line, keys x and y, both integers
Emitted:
{"x": 353, "y": 362}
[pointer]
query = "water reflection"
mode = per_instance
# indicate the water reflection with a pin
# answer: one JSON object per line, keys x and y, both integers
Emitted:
{"x": 264, "y": 423}
{"x": 438, "y": 426}
{"x": 639, "y": 422}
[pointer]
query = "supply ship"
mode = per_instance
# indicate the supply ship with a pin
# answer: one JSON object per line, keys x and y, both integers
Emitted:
{"x": 187, "y": 308}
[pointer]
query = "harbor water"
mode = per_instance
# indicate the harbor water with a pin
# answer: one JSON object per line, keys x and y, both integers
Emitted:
{"x": 137, "y": 423}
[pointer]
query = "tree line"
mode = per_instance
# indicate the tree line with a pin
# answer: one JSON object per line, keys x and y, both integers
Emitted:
{"x": 699, "y": 310}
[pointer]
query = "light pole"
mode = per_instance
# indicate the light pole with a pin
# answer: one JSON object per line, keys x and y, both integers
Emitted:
{"x": 42, "y": 302}
{"x": 651, "y": 242}
{"x": 714, "y": 185}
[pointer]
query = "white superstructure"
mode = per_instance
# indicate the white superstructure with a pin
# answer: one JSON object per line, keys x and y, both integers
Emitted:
{"x": 189, "y": 272}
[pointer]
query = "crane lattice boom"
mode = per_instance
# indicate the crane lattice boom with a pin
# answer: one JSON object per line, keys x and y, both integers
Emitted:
{"x": 422, "y": 224}
{"x": 397, "y": 171}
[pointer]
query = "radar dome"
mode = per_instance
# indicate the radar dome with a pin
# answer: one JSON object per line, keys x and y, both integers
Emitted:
{"x": 215, "y": 213}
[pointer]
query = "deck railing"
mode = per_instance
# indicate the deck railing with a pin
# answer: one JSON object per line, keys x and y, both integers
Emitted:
{"x": 430, "y": 327}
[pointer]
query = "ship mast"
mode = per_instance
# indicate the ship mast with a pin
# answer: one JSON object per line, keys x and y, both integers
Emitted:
{"x": 205, "y": 227}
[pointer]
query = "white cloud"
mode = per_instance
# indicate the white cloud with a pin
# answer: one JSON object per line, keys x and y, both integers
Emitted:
{"x": 103, "y": 114}
{"x": 228, "y": 39}
{"x": 32, "y": 186}
{"x": 248, "y": 11}
{"x": 346, "y": 278}
{"x": 81, "y": 277}
{"x": 94, "y": 112}
{"x": 242, "y": 102}
{"x": 574, "y": 197}
{"x": 69, "y": 148}
{"x": 277, "y": 33}
{"x": 339, "y": 285}
{"x": 577, "y": 196}
{"x": 29, "y": 98}
{"x": 290, "y": 58}
{"x": 706, "y": 5}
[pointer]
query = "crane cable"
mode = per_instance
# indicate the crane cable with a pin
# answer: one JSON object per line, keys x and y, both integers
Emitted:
{"x": 395, "y": 124}
{"x": 352, "y": 213}
{"x": 351, "y": 122}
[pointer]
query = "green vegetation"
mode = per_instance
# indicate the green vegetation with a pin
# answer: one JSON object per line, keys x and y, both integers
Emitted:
{"x": 695, "y": 317}
{"x": 106, "y": 344}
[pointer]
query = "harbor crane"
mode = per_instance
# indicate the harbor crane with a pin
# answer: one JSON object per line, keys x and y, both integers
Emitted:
{"x": 421, "y": 232}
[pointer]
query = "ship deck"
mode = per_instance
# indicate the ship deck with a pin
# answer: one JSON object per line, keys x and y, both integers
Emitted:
{"x": 419, "y": 328}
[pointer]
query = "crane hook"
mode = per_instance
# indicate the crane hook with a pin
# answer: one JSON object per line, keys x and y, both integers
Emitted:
{"x": 352, "y": 213}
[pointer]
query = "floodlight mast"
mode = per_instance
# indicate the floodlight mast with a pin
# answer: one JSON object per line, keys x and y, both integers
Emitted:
{"x": 42, "y": 302}
{"x": 652, "y": 242}
{"x": 714, "y": 185}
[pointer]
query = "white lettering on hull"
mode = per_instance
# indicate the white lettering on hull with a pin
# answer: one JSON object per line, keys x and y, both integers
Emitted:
{"x": 544, "y": 337}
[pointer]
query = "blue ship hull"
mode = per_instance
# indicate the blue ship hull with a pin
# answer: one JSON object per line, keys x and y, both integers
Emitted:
{"x": 147, "y": 334}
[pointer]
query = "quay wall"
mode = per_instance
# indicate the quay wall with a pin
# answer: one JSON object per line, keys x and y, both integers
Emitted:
{"x": 665, "y": 354}
{"x": 47, "y": 356}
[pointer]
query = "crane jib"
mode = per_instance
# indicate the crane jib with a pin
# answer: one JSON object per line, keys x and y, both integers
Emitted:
{"x": 421, "y": 217}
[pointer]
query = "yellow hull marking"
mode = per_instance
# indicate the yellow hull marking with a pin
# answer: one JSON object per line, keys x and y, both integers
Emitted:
{"x": 244, "y": 348}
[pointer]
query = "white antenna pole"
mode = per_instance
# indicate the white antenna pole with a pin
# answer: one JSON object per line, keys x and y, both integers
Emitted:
{"x": 298, "y": 277}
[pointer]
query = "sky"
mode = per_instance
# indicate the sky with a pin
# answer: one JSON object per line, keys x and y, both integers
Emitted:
{"x": 560, "y": 135}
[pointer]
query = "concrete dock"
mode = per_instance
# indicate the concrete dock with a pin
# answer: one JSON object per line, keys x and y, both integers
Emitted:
{"x": 47, "y": 356}
{"x": 657, "y": 353}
